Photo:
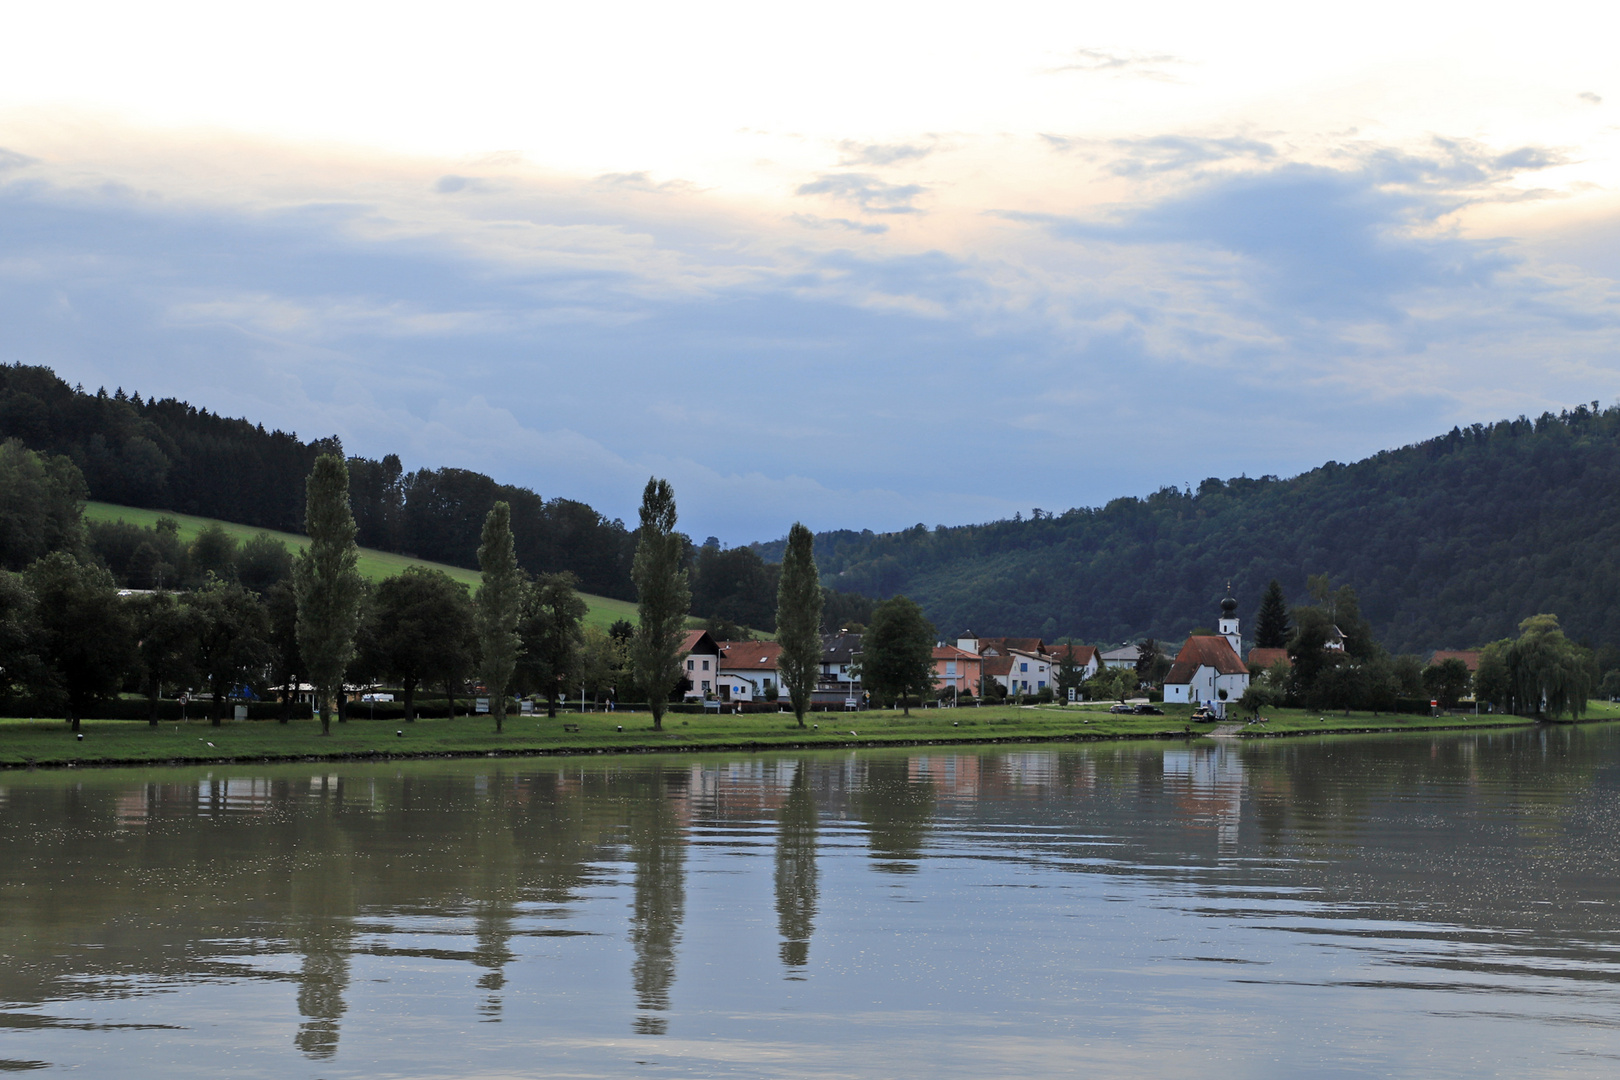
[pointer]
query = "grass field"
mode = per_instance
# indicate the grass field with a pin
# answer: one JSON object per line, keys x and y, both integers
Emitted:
{"x": 374, "y": 565}
{"x": 48, "y": 742}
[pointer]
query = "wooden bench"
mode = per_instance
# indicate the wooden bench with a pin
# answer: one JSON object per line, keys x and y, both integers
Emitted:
{"x": 570, "y": 727}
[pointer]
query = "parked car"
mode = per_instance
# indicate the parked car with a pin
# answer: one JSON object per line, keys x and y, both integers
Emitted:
{"x": 1148, "y": 710}
{"x": 1120, "y": 708}
{"x": 1203, "y": 716}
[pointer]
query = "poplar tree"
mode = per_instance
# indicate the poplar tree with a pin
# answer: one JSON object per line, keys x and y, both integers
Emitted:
{"x": 500, "y": 601}
{"x": 798, "y": 619}
{"x": 328, "y": 583}
{"x": 662, "y": 598}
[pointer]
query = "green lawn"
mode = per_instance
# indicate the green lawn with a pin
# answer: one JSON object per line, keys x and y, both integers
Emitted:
{"x": 48, "y": 742}
{"x": 374, "y": 565}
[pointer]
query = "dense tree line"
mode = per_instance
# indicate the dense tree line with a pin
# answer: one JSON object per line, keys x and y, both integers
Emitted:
{"x": 1453, "y": 541}
{"x": 169, "y": 455}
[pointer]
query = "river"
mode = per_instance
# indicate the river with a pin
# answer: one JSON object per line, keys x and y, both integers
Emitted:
{"x": 1408, "y": 906}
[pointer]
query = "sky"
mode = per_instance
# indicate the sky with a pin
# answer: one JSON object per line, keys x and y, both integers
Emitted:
{"x": 860, "y": 265}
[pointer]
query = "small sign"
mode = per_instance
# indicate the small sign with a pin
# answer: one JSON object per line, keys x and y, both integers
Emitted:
{"x": 526, "y": 707}
{"x": 1073, "y": 693}
{"x": 241, "y": 712}
{"x": 852, "y": 703}
{"x": 482, "y": 705}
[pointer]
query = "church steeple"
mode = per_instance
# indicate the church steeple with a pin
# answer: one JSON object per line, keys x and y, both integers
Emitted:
{"x": 1229, "y": 621}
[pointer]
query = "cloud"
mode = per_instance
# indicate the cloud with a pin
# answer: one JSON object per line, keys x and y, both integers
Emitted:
{"x": 872, "y": 195}
{"x": 10, "y": 159}
{"x": 881, "y": 153}
{"x": 1143, "y": 65}
{"x": 641, "y": 181}
{"x": 1589, "y": 97}
{"x": 870, "y": 228}
{"x": 1165, "y": 153}
{"x": 451, "y": 184}
{"x": 574, "y": 335}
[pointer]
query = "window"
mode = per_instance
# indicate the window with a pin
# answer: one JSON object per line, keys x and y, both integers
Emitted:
{"x": 689, "y": 665}
{"x": 950, "y": 669}
{"x": 705, "y": 686}
{"x": 705, "y": 665}
{"x": 1023, "y": 667}
{"x": 1041, "y": 685}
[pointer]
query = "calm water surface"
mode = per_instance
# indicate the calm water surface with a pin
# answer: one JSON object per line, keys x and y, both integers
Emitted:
{"x": 1406, "y": 906}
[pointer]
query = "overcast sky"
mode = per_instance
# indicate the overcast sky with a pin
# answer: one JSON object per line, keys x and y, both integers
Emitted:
{"x": 860, "y": 265}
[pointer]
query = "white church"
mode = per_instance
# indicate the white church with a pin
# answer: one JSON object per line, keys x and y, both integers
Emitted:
{"x": 1209, "y": 670}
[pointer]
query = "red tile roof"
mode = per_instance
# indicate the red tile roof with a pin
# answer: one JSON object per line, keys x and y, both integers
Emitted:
{"x": 1467, "y": 656}
{"x": 998, "y": 665}
{"x": 691, "y": 640}
{"x": 1267, "y": 657}
{"x": 951, "y": 652}
{"x": 1205, "y": 650}
{"x": 749, "y": 655}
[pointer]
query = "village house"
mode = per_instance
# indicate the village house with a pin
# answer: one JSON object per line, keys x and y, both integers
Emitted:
{"x": 1021, "y": 665}
{"x": 958, "y": 670}
{"x": 1125, "y": 656}
{"x": 1265, "y": 659}
{"x": 1209, "y": 669}
{"x": 700, "y": 664}
{"x": 836, "y": 683}
{"x": 749, "y": 670}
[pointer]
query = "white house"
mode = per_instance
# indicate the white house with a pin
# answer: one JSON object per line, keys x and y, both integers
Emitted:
{"x": 753, "y": 664}
{"x": 700, "y": 663}
{"x": 1209, "y": 669}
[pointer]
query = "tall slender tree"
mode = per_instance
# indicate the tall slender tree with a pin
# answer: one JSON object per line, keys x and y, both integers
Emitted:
{"x": 662, "y": 598}
{"x": 500, "y": 602}
{"x": 327, "y": 583}
{"x": 1271, "y": 629}
{"x": 798, "y": 619}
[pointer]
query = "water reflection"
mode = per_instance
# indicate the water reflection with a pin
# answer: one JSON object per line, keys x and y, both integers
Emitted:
{"x": 864, "y": 913}
{"x": 796, "y": 870}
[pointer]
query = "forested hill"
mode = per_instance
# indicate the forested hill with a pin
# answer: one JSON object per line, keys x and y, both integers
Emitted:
{"x": 168, "y": 455}
{"x": 1449, "y": 543}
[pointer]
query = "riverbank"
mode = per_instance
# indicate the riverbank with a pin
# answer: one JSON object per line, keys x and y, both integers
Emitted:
{"x": 48, "y": 743}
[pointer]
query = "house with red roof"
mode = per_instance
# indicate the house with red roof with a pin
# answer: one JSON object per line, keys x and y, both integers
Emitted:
{"x": 1469, "y": 657}
{"x": 700, "y": 663}
{"x": 1086, "y": 658}
{"x": 748, "y": 669}
{"x": 1267, "y": 658}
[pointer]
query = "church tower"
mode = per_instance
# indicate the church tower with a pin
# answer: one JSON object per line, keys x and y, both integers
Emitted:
{"x": 1229, "y": 622}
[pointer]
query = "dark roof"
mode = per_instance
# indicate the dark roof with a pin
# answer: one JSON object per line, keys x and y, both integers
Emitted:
{"x": 839, "y": 648}
{"x": 1082, "y": 653}
{"x": 1267, "y": 657}
{"x": 1004, "y": 644}
{"x": 998, "y": 665}
{"x": 1205, "y": 650}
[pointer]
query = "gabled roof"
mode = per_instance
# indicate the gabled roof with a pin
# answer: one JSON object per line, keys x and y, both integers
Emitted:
{"x": 1006, "y": 644}
{"x": 1124, "y": 653}
{"x": 698, "y": 641}
{"x": 998, "y": 665}
{"x": 1267, "y": 657}
{"x": 951, "y": 652}
{"x": 1082, "y": 654}
{"x": 1467, "y": 656}
{"x": 1204, "y": 650}
{"x": 749, "y": 655}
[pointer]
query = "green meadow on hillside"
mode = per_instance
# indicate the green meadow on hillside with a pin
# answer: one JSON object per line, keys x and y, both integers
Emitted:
{"x": 374, "y": 565}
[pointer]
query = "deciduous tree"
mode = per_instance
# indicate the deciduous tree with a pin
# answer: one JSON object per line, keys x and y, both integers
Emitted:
{"x": 419, "y": 617}
{"x": 500, "y": 603}
{"x": 232, "y": 639}
{"x": 798, "y": 619}
{"x": 662, "y": 598}
{"x": 166, "y": 631}
{"x": 897, "y": 653}
{"x": 550, "y": 631}
{"x": 328, "y": 583}
{"x": 86, "y": 639}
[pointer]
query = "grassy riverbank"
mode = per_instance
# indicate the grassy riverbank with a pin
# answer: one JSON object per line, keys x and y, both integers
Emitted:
{"x": 48, "y": 742}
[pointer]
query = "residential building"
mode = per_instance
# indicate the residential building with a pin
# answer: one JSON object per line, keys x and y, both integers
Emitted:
{"x": 1124, "y": 656}
{"x": 755, "y": 664}
{"x": 958, "y": 669}
{"x": 1087, "y": 660}
{"x": 837, "y": 682}
{"x": 1467, "y": 656}
{"x": 1266, "y": 658}
{"x": 700, "y": 664}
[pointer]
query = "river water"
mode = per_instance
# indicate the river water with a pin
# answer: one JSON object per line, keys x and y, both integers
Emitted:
{"x": 1366, "y": 906}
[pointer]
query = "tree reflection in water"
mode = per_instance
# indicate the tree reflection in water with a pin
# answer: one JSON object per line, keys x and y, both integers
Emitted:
{"x": 657, "y": 845}
{"x": 321, "y": 901}
{"x": 796, "y": 871}
{"x": 898, "y": 808}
